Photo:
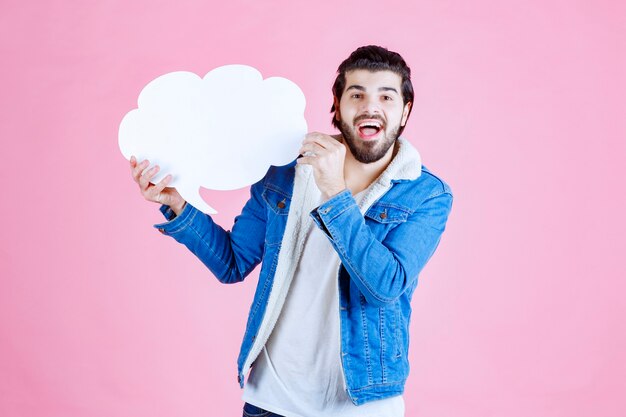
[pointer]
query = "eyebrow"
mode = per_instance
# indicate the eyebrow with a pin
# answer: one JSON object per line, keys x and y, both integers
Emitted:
{"x": 361, "y": 88}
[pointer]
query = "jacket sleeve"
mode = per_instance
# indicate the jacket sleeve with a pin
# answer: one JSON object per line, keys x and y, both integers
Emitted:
{"x": 383, "y": 270}
{"x": 230, "y": 255}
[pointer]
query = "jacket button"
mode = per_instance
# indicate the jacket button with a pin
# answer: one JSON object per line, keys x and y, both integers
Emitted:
{"x": 281, "y": 204}
{"x": 239, "y": 379}
{"x": 383, "y": 215}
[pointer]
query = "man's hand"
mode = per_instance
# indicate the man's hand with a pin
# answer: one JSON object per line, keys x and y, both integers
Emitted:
{"x": 326, "y": 156}
{"x": 157, "y": 193}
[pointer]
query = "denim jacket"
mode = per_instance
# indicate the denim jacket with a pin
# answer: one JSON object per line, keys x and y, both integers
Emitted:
{"x": 383, "y": 244}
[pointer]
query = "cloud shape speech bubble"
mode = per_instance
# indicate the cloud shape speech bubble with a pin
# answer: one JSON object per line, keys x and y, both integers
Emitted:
{"x": 221, "y": 132}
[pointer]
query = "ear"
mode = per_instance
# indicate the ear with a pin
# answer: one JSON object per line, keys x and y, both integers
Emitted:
{"x": 405, "y": 113}
{"x": 336, "y": 104}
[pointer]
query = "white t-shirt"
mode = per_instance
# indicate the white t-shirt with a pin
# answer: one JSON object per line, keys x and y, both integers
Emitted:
{"x": 299, "y": 373}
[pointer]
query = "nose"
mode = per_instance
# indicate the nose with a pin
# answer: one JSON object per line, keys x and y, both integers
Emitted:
{"x": 370, "y": 105}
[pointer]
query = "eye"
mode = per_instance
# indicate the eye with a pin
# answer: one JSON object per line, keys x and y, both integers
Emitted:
{"x": 356, "y": 95}
{"x": 387, "y": 98}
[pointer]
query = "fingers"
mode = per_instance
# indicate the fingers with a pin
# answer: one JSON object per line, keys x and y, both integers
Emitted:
{"x": 307, "y": 160}
{"x": 160, "y": 186}
{"x": 313, "y": 148}
{"x": 326, "y": 155}
{"x": 315, "y": 155}
{"x": 320, "y": 146}
{"x": 315, "y": 142}
{"x": 322, "y": 140}
{"x": 152, "y": 192}
{"x": 137, "y": 169}
{"x": 146, "y": 176}
{"x": 143, "y": 176}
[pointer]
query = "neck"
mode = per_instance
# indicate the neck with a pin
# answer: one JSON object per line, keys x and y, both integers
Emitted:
{"x": 358, "y": 175}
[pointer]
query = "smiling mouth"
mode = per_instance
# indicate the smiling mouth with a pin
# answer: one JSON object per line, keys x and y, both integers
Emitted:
{"x": 369, "y": 129}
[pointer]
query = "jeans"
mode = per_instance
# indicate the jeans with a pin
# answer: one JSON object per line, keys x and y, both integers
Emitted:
{"x": 250, "y": 410}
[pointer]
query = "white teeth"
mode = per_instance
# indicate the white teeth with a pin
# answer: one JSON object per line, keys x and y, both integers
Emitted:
{"x": 371, "y": 124}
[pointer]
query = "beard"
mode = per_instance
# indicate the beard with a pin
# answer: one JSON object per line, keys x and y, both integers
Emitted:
{"x": 364, "y": 151}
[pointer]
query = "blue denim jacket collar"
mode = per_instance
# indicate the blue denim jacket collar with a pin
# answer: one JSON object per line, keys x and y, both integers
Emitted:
{"x": 405, "y": 166}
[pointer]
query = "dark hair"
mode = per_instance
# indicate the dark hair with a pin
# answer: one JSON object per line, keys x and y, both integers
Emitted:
{"x": 373, "y": 58}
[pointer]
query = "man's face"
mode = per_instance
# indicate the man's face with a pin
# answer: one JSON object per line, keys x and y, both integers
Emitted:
{"x": 371, "y": 112}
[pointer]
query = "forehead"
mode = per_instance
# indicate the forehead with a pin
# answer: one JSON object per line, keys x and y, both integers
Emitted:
{"x": 373, "y": 79}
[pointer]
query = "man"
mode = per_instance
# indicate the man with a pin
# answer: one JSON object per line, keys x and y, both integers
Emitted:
{"x": 342, "y": 234}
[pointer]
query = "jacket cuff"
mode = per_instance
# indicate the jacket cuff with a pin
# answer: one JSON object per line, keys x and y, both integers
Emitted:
{"x": 328, "y": 211}
{"x": 167, "y": 212}
{"x": 176, "y": 223}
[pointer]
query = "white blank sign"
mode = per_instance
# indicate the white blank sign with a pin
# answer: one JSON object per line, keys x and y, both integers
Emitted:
{"x": 221, "y": 132}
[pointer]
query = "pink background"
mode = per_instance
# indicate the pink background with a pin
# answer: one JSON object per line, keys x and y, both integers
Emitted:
{"x": 519, "y": 106}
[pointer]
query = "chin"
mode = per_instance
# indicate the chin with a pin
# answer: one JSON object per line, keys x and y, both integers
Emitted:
{"x": 367, "y": 151}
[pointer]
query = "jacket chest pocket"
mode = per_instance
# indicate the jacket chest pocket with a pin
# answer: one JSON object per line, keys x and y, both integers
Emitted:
{"x": 382, "y": 217}
{"x": 277, "y": 208}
